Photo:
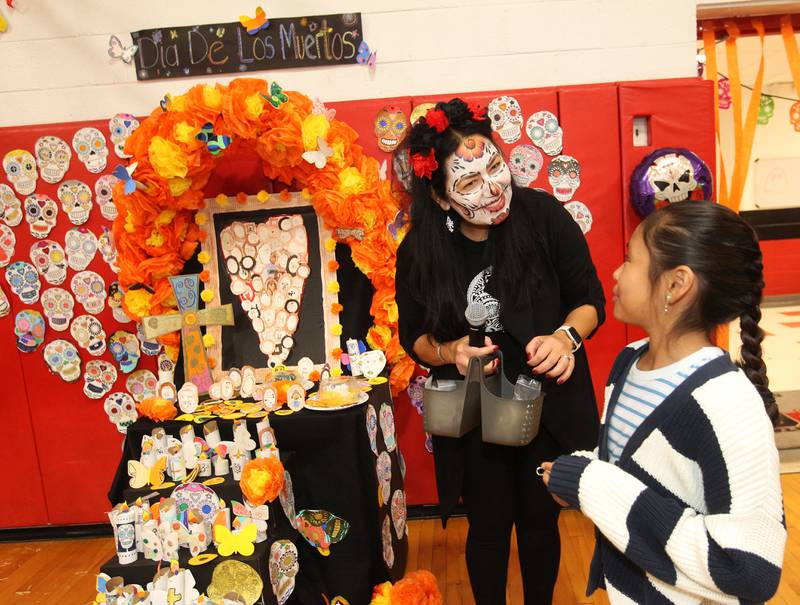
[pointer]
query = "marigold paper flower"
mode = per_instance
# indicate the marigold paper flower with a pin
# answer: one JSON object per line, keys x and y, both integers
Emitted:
{"x": 285, "y": 195}
{"x": 178, "y": 186}
{"x": 157, "y": 409}
{"x": 381, "y": 594}
{"x": 314, "y": 375}
{"x": 262, "y": 480}
{"x": 262, "y": 196}
{"x": 336, "y": 372}
{"x": 424, "y": 165}
{"x": 204, "y": 257}
{"x": 207, "y": 295}
{"x": 330, "y": 244}
{"x": 166, "y": 158}
{"x": 333, "y": 287}
{"x": 417, "y": 588}
{"x": 314, "y": 126}
{"x": 332, "y": 265}
{"x": 184, "y": 132}
{"x": 351, "y": 181}
{"x": 336, "y": 329}
{"x": 212, "y": 362}
{"x": 208, "y": 341}
{"x": 200, "y": 219}
{"x": 205, "y": 275}
{"x": 336, "y": 308}
{"x": 305, "y": 193}
{"x": 337, "y": 353}
{"x": 437, "y": 119}
{"x": 202, "y": 234}
{"x": 221, "y": 199}
{"x": 241, "y": 197}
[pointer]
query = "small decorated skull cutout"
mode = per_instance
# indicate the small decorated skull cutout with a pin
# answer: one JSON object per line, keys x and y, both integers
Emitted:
{"x": 24, "y": 281}
{"x": 391, "y": 128}
{"x": 142, "y": 384}
{"x": 8, "y": 242}
{"x": 10, "y": 206}
{"x": 5, "y": 306}
{"x": 120, "y": 127}
{"x": 20, "y": 167}
{"x": 81, "y": 247}
{"x": 115, "y": 295}
{"x": 564, "y": 174}
{"x": 90, "y": 145}
{"x": 98, "y": 378}
{"x": 59, "y": 308}
{"x": 41, "y": 213}
{"x": 29, "y": 329}
{"x": 506, "y": 116}
{"x": 525, "y": 162}
{"x": 124, "y": 348}
{"x": 543, "y": 129}
{"x": 63, "y": 359}
{"x": 105, "y": 243}
{"x": 89, "y": 334}
{"x": 89, "y": 290}
{"x": 121, "y": 410}
{"x": 103, "y": 192}
{"x": 49, "y": 259}
{"x": 53, "y": 156}
{"x": 76, "y": 200}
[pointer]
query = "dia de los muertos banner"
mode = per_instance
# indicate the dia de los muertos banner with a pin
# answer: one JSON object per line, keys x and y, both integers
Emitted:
{"x": 175, "y": 52}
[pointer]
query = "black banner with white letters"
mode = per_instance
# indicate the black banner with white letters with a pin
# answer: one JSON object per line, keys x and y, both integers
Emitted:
{"x": 228, "y": 47}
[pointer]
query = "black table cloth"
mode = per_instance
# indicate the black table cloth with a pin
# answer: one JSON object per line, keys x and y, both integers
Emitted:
{"x": 332, "y": 466}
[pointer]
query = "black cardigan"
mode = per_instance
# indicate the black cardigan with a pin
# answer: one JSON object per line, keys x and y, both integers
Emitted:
{"x": 568, "y": 280}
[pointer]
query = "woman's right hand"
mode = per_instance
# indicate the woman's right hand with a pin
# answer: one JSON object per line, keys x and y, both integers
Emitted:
{"x": 459, "y": 352}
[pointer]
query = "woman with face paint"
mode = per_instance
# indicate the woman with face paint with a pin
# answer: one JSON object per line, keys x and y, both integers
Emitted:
{"x": 475, "y": 237}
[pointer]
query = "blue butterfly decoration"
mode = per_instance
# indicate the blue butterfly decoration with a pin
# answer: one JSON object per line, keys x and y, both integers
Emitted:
{"x": 125, "y": 173}
{"x": 365, "y": 56}
{"x": 276, "y": 96}
{"x": 216, "y": 143}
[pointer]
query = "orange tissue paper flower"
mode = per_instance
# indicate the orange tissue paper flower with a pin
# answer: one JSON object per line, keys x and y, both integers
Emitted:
{"x": 381, "y": 594}
{"x": 336, "y": 308}
{"x": 241, "y": 197}
{"x": 416, "y": 588}
{"x": 262, "y": 480}
{"x": 157, "y": 409}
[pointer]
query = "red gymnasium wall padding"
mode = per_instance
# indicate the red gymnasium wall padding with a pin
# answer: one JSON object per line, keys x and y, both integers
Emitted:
{"x": 56, "y": 467}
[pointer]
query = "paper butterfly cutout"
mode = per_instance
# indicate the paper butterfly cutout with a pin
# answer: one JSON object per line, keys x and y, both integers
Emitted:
{"x": 276, "y": 96}
{"x": 165, "y": 102}
{"x": 125, "y": 173}
{"x": 241, "y": 542}
{"x": 216, "y": 143}
{"x": 365, "y": 56}
{"x": 141, "y": 475}
{"x": 382, "y": 171}
{"x": 255, "y": 24}
{"x": 260, "y": 513}
{"x": 319, "y": 157}
{"x": 318, "y": 109}
{"x": 321, "y": 528}
{"x": 117, "y": 51}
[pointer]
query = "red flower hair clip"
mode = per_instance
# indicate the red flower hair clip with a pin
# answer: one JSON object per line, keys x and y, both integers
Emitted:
{"x": 437, "y": 119}
{"x": 424, "y": 165}
{"x": 478, "y": 111}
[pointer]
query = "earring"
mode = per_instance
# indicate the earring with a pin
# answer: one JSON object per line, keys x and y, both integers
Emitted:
{"x": 667, "y": 298}
{"x": 449, "y": 224}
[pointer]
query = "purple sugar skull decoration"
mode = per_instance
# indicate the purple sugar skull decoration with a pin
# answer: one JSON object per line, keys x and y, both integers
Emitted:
{"x": 669, "y": 175}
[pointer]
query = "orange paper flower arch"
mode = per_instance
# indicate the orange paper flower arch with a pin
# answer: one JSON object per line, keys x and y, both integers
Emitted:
{"x": 156, "y": 232}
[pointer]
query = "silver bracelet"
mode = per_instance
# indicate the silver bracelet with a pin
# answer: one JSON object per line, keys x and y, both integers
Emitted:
{"x": 439, "y": 353}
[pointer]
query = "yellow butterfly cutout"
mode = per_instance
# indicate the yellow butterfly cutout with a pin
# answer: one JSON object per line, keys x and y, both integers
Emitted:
{"x": 241, "y": 542}
{"x": 140, "y": 475}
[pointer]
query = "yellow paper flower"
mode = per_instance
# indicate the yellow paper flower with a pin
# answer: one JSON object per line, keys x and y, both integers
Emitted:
{"x": 336, "y": 372}
{"x": 333, "y": 287}
{"x": 204, "y": 257}
{"x": 254, "y": 105}
{"x": 184, "y": 132}
{"x": 381, "y": 594}
{"x": 351, "y": 181}
{"x": 262, "y": 196}
{"x": 338, "y": 153}
{"x": 211, "y": 96}
{"x": 336, "y": 330}
{"x": 207, "y": 295}
{"x": 330, "y": 244}
{"x": 177, "y": 103}
{"x": 138, "y": 302}
{"x": 222, "y": 199}
{"x": 305, "y": 193}
{"x": 156, "y": 239}
{"x": 179, "y": 186}
{"x": 314, "y": 126}
{"x": 199, "y": 219}
{"x": 165, "y": 217}
{"x": 167, "y": 159}
{"x": 208, "y": 340}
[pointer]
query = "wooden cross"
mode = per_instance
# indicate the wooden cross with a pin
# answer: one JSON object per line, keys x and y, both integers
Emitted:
{"x": 188, "y": 320}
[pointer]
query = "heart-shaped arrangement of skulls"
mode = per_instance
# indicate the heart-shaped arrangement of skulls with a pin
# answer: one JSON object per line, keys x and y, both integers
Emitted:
{"x": 268, "y": 266}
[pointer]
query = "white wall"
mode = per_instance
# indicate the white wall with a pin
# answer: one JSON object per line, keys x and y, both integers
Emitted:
{"x": 55, "y": 66}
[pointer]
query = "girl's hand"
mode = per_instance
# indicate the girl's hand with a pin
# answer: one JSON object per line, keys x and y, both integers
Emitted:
{"x": 547, "y": 467}
{"x": 459, "y": 352}
{"x": 552, "y": 356}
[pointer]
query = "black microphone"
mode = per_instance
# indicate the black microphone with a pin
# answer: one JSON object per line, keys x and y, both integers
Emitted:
{"x": 476, "y": 315}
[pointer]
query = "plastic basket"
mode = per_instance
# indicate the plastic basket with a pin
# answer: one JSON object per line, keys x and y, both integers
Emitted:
{"x": 453, "y": 413}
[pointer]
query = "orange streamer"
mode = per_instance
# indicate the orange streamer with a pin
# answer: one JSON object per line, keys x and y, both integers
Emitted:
{"x": 792, "y": 54}
{"x": 712, "y": 73}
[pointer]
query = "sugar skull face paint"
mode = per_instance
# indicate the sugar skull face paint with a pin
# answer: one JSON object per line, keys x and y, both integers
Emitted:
{"x": 478, "y": 182}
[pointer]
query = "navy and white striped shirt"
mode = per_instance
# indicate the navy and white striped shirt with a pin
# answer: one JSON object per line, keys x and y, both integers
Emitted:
{"x": 644, "y": 390}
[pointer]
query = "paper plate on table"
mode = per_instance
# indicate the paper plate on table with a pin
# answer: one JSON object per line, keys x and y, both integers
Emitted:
{"x": 313, "y": 404}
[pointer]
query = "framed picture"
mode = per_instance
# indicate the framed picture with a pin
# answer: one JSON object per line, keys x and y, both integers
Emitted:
{"x": 268, "y": 259}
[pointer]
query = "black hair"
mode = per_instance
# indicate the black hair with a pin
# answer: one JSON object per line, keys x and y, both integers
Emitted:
{"x": 512, "y": 246}
{"x": 723, "y": 252}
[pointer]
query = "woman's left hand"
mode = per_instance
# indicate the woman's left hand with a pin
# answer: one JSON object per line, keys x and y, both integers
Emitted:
{"x": 552, "y": 356}
{"x": 547, "y": 467}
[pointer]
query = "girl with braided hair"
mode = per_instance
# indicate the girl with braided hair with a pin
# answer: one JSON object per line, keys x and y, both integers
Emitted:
{"x": 474, "y": 236}
{"x": 684, "y": 487}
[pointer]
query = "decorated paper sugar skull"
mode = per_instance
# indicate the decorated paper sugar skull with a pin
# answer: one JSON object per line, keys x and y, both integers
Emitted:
{"x": 283, "y": 567}
{"x": 386, "y": 419}
{"x": 20, "y": 167}
{"x": 8, "y": 242}
{"x": 24, "y": 281}
{"x": 121, "y": 410}
{"x": 399, "y": 513}
{"x": 506, "y": 116}
{"x": 53, "y": 156}
{"x": 63, "y": 359}
{"x": 383, "y": 470}
{"x": 50, "y": 261}
{"x": 89, "y": 334}
{"x": 105, "y": 243}
{"x": 525, "y": 162}
{"x": 124, "y": 348}
{"x": 115, "y": 295}
{"x": 89, "y": 290}
{"x": 386, "y": 538}
{"x": 120, "y": 127}
{"x": 724, "y": 93}
{"x": 90, "y": 145}
{"x": 580, "y": 214}
{"x": 188, "y": 397}
{"x": 10, "y": 206}
{"x": 29, "y": 330}
{"x": 81, "y": 246}
{"x": 149, "y": 346}
{"x": 5, "y": 306}
{"x": 98, "y": 378}
{"x": 59, "y": 308}
{"x": 41, "y": 213}
{"x": 766, "y": 109}
{"x": 391, "y": 128}
{"x": 669, "y": 175}
{"x": 76, "y": 200}
{"x": 141, "y": 384}
{"x": 103, "y": 193}
{"x": 794, "y": 115}
{"x": 545, "y": 132}
{"x": 564, "y": 174}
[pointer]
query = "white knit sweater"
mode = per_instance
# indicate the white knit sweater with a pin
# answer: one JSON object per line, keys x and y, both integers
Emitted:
{"x": 692, "y": 511}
